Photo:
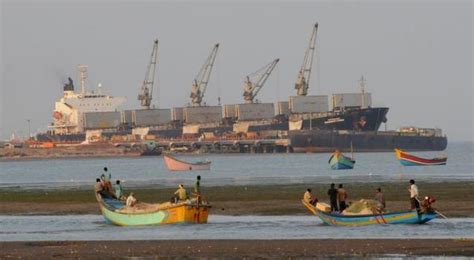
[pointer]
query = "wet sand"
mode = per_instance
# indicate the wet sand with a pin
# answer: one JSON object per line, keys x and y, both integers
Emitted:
{"x": 453, "y": 199}
{"x": 238, "y": 248}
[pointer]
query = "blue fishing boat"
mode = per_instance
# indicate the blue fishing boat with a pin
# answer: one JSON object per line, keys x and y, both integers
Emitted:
{"x": 399, "y": 217}
{"x": 338, "y": 161}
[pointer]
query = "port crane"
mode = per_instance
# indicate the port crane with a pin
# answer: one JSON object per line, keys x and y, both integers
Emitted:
{"x": 304, "y": 75}
{"x": 146, "y": 90}
{"x": 202, "y": 78}
{"x": 251, "y": 89}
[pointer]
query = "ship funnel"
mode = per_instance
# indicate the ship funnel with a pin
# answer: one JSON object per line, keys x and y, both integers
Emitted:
{"x": 69, "y": 86}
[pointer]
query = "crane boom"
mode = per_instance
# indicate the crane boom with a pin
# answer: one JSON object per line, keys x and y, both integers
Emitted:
{"x": 304, "y": 75}
{"x": 251, "y": 89}
{"x": 202, "y": 78}
{"x": 146, "y": 91}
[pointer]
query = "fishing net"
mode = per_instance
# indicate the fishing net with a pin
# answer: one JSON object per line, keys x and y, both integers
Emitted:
{"x": 362, "y": 207}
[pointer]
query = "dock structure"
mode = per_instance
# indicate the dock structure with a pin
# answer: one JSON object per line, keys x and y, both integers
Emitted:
{"x": 228, "y": 146}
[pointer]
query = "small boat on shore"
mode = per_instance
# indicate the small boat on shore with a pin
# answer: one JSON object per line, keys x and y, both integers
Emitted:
{"x": 338, "y": 161}
{"x": 407, "y": 159}
{"x": 117, "y": 213}
{"x": 398, "y": 217}
{"x": 174, "y": 164}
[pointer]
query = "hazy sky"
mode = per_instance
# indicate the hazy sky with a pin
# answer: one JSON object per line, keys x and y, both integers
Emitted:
{"x": 416, "y": 55}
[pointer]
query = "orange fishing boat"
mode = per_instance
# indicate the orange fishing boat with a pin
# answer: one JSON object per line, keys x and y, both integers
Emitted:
{"x": 174, "y": 164}
{"x": 407, "y": 159}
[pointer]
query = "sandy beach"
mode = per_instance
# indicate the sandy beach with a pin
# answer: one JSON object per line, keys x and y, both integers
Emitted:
{"x": 237, "y": 249}
{"x": 454, "y": 199}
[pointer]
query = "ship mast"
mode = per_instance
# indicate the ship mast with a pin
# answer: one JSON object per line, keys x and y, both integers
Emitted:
{"x": 202, "y": 78}
{"x": 251, "y": 89}
{"x": 304, "y": 75}
{"x": 146, "y": 91}
{"x": 83, "y": 77}
{"x": 362, "y": 89}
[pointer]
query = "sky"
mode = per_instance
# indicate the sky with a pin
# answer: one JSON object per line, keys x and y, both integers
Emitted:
{"x": 416, "y": 55}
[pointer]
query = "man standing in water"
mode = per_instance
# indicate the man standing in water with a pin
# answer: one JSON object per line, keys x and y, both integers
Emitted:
{"x": 332, "y": 192}
{"x": 414, "y": 195}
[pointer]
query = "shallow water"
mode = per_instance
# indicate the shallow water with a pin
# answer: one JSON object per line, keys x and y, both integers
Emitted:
{"x": 236, "y": 169}
{"x": 93, "y": 227}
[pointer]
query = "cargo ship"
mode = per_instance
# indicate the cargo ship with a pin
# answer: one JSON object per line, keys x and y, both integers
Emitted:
{"x": 383, "y": 141}
{"x": 317, "y": 123}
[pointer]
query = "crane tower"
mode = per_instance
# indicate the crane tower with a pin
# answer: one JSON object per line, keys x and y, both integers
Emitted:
{"x": 146, "y": 90}
{"x": 304, "y": 75}
{"x": 202, "y": 79}
{"x": 251, "y": 89}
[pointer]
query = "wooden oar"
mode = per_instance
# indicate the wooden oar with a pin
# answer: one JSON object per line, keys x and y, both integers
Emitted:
{"x": 442, "y": 215}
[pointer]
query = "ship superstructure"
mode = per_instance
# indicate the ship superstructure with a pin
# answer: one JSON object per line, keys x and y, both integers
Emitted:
{"x": 74, "y": 112}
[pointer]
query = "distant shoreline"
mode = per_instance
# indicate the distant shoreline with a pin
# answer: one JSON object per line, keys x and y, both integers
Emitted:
{"x": 18, "y": 154}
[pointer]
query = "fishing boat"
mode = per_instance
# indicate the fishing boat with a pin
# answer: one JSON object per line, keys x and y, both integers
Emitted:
{"x": 117, "y": 213}
{"x": 174, "y": 164}
{"x": 407, "y": 159}
{"x": 398, "y": 217}
{"x": 338, "y": 161}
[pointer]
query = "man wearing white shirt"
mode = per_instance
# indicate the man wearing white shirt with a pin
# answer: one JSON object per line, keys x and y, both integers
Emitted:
{"x": 414, "y": 195}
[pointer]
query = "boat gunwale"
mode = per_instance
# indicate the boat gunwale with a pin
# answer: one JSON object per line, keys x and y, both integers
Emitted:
{"x": 190, "y": 163}
{"x": 402, "y": 155}
{"x": 108, "y": 207}
{"x": 318, "y": 211}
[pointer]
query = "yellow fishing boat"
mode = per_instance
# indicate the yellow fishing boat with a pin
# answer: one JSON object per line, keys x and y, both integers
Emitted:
{"x": 189, "y": 211}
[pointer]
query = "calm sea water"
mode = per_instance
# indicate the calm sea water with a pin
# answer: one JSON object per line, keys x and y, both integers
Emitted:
{"x": 235, "y": 169}
{"x": 93, "y": 227}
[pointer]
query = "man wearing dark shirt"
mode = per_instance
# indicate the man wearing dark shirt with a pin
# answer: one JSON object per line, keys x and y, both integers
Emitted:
{"x": 332, "y": 192}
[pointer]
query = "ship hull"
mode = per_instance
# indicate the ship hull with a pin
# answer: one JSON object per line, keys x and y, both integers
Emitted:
{"x": 328, "y": 141}
{"x": 366, "y": 119}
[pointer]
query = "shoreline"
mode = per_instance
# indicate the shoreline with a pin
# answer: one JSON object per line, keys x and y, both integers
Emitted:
{"x": 237, "y": 249}
{"x": 283, "y": 199}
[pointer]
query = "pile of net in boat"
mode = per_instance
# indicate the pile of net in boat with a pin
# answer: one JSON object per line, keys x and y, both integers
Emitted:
{"x": 143, "y": 207}
{"x": 363, "y": 207}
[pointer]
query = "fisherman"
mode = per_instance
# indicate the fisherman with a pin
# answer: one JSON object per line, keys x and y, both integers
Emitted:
{"x": 98, "y": 186}
{"x": 308, "y": 197}
{"x": 341, "y": 197}
{"x": 100, "y": 189}
{"x": 197, "y": 186}
{"x": 118, "y": 190}
{"x": 332, "y": 192}
{"x": 413, "y": 190}
{"x": 197, "y": 189}
{"x": 131, "y": 200}
{"x": 180, "y": 194}
{"x": 107, "y": 176}
{"x": 380, "y": 198}
{"x": 426, "y": 204}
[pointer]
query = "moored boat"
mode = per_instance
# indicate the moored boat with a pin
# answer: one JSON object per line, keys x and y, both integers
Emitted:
{"x": 115, "y": 212}
{"x": 407, "y": 159}
{"x": 398, "y": 217}
{"x": 338, "y": 161}
{"x": 174, "y": 164}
